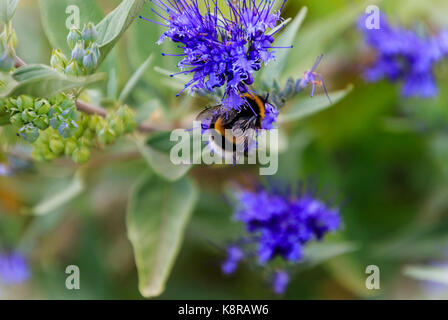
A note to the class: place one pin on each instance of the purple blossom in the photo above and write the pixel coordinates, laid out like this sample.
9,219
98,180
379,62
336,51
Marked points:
314,78
402,55
280,282
234,256
14,268
280,224
218,50
283,225
270,116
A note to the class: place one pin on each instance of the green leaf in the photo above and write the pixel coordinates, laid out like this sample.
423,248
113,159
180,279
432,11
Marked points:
54,18
4,118
310,106
7,10
427,273
157,216
317,253
63,196
317,37
274,69
156,152
7,83
112,27
130,85
42,81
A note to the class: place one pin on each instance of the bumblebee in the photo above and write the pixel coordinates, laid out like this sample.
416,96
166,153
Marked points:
232,132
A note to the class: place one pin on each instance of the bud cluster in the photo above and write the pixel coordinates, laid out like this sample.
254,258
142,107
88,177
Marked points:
92,131
84,55
31,115
8,42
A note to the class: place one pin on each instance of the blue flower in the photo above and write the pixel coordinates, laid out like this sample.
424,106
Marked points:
280,282
78,52
402,55
280,224
90,60
234,256
220,51
311,76
14,268
89,32
270,116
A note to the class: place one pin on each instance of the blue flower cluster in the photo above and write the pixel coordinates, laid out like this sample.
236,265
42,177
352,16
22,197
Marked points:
14,268
270,116
403,55
218,50
280,226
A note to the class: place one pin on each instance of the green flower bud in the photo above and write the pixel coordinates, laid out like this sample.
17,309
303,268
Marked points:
85,141
29,132
47,153
73,37
41,122
11,105
127,115
81,155
58,60
67,103
106,136
12,39
25,102
80,131
72,68
289,89
70,146
88,134
116,124
56,145
93,122
28,116
89,33
16,120
42,107
57,99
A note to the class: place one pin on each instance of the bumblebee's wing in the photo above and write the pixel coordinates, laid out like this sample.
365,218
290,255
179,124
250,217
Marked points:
208,113
243,131
228,116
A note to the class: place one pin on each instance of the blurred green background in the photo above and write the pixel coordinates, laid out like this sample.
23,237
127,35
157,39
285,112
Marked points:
383,157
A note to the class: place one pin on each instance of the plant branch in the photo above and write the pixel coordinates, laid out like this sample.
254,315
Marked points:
91,109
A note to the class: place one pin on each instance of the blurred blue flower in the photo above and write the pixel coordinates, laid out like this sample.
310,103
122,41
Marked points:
402,55
280,282
14,268
280,224
220,51
234,256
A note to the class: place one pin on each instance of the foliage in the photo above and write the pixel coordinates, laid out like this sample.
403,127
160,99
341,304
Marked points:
94,186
